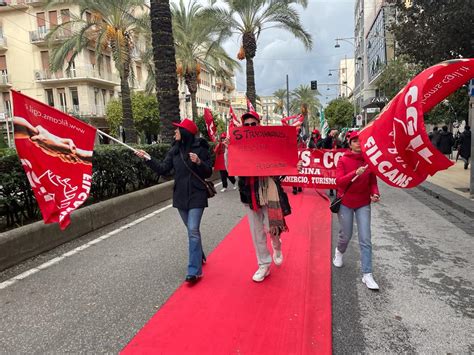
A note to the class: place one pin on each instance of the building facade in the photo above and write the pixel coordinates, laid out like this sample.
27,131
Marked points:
84,91
346,77
374,48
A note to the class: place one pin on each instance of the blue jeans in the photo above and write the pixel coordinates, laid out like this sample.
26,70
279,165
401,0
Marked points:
192,221
346,222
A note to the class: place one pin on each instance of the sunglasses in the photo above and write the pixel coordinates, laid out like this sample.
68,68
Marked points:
250,124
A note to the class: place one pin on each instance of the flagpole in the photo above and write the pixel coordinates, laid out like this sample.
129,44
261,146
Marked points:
147,156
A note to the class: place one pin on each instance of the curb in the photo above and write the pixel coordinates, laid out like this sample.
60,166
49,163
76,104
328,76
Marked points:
33,239
451,199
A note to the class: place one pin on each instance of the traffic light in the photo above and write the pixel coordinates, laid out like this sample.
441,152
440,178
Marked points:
314,85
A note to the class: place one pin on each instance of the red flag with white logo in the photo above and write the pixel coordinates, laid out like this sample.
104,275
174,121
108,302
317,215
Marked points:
234,121
210,125
396,144
250,106
55,151
295,121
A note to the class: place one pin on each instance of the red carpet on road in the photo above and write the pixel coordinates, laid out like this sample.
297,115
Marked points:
228,313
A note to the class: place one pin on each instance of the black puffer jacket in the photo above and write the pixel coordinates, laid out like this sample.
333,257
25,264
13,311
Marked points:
188,191
446,142
465,144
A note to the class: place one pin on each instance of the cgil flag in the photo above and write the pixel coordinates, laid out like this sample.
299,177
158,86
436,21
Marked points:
234,121
210,125
295,121
396,145
55,151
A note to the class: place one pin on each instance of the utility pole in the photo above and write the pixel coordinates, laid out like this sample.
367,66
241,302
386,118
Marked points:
287,96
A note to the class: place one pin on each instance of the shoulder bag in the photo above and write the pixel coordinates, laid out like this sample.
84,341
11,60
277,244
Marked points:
209,185
336,203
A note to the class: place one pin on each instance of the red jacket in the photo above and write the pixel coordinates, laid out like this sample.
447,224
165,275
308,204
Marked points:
362,188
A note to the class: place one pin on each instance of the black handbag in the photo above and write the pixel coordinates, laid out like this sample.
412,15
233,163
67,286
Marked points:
284,201
210,188
336,202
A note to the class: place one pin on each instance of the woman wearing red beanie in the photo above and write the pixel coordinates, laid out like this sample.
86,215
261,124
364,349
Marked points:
188,156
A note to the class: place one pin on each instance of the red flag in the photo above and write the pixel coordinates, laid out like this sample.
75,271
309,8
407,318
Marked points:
250,106
55,150
211,127
296,120
234,121
396,144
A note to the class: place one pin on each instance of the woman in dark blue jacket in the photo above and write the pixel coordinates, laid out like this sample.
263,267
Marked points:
189,192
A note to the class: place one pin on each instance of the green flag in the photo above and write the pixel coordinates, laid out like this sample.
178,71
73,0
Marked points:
323,124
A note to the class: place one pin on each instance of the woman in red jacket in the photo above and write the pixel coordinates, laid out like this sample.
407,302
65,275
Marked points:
358,194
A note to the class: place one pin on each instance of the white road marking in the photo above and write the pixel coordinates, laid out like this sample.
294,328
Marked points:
56,260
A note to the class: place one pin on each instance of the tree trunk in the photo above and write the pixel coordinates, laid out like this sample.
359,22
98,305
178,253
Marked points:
128,126
165,67
192,84
251,94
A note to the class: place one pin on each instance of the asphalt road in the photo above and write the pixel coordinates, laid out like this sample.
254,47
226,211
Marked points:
97,299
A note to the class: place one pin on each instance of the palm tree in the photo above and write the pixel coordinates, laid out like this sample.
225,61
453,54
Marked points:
305,101
165,66
250,17
280,94
105,26
198,42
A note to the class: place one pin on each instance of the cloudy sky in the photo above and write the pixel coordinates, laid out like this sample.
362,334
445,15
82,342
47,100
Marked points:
279,53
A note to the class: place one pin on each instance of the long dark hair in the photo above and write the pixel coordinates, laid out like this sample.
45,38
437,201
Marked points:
187,140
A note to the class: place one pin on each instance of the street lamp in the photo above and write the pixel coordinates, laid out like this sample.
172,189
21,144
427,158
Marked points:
350,40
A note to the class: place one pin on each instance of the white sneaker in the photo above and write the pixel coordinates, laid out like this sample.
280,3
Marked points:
337,261
262,272
277,257
224,189
235,187
369,281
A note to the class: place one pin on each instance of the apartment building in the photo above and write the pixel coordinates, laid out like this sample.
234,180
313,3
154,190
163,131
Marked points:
374,48
269,117
346,77
239,104
84,91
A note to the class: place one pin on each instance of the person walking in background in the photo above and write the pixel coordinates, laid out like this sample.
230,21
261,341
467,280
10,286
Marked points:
331,142
465,146
358,186
315,141
301,144
220,151
188,156
434,137
446,142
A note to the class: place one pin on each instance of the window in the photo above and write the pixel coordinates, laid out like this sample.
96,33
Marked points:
65,16
62,99
45,60
7,104
53,18
49,97
40,21
139,73
92,58
74,99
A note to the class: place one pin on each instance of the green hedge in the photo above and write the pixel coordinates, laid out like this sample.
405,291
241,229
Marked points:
116,170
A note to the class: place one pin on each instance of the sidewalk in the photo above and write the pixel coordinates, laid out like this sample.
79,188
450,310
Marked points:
455,179
451,187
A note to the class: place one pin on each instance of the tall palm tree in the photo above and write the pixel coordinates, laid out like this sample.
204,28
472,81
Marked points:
250,17
105,26
198,41
305,101
280,94
165,66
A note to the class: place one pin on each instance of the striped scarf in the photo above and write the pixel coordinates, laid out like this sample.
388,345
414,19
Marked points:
268,196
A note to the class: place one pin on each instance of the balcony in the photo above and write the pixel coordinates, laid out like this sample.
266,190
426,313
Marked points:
11,5
85,111
88,74
3,44
222,96
35,3
38,37
4,81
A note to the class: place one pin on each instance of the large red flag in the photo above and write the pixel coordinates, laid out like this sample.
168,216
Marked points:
55,150
396,144
250,106
210,125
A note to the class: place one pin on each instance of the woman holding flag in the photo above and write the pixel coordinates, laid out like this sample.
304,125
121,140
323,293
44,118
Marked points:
358,188
189,157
